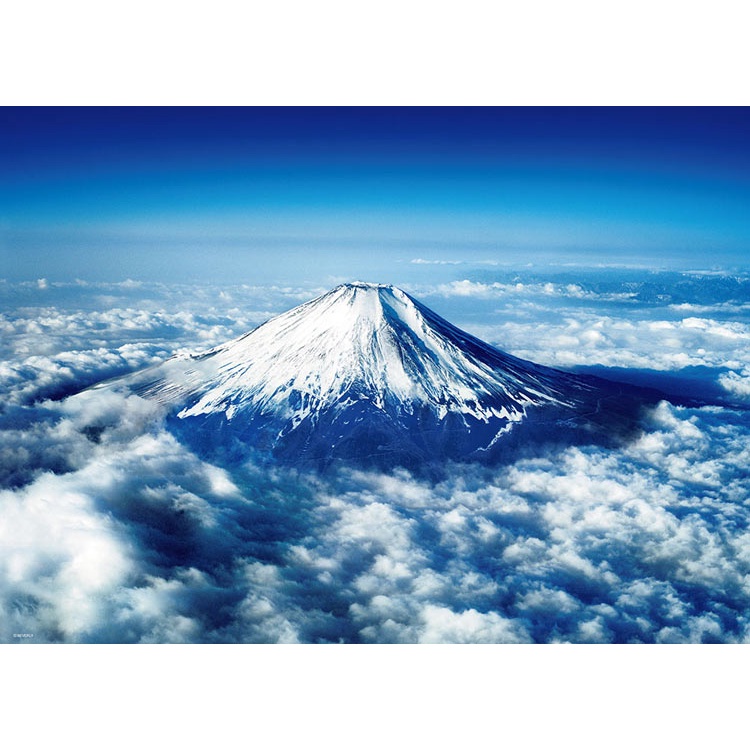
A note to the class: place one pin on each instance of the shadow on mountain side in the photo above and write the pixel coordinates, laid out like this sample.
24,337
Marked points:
690,386
609,415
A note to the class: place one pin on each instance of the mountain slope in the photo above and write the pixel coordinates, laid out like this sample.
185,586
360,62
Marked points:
367,373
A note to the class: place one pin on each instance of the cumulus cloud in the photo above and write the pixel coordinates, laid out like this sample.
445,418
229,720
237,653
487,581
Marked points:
113,531
574,339
142,541
737,383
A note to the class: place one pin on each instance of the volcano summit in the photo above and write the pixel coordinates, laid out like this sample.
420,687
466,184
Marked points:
367,374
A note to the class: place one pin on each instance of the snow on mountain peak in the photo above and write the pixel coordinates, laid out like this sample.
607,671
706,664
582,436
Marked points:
364,341
363,368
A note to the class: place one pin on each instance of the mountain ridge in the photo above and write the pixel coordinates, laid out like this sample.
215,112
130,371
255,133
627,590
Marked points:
367,373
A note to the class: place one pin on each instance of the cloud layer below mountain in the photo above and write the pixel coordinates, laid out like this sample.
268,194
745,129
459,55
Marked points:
113,531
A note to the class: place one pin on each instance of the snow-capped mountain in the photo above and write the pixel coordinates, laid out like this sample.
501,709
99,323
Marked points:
367,372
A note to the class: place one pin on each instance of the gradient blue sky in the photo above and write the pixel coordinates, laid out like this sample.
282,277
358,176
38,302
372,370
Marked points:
285,194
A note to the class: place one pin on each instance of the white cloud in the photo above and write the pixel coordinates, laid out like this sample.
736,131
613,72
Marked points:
145,542
114,531
587,339
738,384
519,290
61,560
442,625
426,262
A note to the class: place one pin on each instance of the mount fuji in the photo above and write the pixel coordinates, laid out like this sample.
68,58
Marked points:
366,374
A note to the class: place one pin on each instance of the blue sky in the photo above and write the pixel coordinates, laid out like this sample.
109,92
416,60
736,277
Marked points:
292,194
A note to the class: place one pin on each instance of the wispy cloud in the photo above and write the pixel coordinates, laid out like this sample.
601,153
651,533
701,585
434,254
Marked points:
426,262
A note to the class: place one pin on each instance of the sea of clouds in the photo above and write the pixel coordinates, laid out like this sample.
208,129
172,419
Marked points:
113,531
